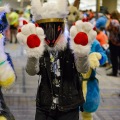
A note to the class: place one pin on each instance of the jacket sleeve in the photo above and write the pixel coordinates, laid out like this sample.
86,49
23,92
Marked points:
32,67
82,63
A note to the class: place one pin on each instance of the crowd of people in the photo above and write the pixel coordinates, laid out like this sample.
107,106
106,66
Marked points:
107,26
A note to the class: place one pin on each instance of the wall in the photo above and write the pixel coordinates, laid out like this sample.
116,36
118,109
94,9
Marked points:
13,3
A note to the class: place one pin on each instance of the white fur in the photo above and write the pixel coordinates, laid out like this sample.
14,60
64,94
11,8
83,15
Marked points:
7,72
27,30
35,8
57,9
3,56
86,28
5,8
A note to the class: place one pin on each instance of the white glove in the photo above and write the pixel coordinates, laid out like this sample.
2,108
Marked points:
94,59
33,38
82,35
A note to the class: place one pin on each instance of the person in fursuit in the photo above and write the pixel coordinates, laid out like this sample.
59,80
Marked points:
97,57
57,60
7,74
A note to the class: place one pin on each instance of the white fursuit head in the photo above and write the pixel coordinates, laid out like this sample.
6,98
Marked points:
52,9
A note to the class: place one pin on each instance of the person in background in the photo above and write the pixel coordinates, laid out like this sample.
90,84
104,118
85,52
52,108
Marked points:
21,19
103,40
113,26
14,22
102,19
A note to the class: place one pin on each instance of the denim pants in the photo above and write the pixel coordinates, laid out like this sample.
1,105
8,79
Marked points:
57,115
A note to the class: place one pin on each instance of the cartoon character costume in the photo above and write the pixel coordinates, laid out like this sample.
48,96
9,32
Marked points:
90,83
56,60
7,75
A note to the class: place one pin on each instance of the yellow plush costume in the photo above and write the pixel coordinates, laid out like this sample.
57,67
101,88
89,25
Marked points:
97,57
7,75
94,62
2,118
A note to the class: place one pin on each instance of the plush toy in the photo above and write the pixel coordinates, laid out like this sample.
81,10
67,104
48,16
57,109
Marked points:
7,75
90,84
97,57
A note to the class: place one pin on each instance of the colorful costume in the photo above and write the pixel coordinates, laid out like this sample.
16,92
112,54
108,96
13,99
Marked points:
90,83
7,75
57,60
96,57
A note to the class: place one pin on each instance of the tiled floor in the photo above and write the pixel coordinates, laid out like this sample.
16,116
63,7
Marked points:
21,97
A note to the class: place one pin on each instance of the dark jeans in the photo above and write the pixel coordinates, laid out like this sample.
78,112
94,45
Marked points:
115,58
57,115
13,33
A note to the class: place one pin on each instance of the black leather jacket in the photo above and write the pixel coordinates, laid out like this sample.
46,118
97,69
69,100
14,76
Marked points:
70,92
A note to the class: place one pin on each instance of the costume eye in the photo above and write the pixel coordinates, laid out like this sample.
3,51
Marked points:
74,13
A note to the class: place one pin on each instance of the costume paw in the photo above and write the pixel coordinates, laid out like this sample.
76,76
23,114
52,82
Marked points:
32,37
94,59
2,118
82,35
7,75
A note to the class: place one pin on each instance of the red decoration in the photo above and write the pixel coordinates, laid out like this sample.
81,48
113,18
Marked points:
19,30
33,41
74,23
85,20
25,22
36,25
95,28
81,38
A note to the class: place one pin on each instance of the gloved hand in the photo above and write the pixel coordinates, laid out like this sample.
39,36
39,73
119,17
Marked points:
7,75
82,35
94,59
32,37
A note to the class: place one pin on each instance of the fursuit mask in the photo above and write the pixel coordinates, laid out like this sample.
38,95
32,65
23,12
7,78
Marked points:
50,16
53,28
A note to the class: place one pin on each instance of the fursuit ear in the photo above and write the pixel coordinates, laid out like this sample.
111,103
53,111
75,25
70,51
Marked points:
68,2
76,3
